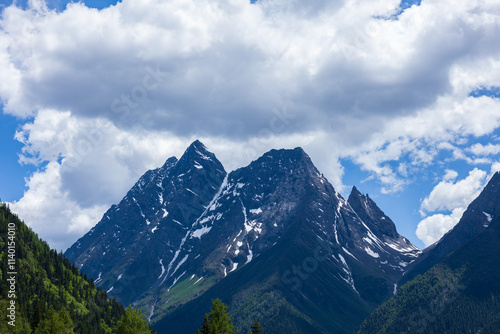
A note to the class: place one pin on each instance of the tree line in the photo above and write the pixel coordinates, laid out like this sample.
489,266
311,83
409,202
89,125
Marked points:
219,321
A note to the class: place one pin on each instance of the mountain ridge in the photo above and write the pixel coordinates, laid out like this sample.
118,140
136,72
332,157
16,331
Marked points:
149,220
279,204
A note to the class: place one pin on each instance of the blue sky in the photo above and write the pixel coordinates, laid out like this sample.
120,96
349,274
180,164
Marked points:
396,99
61,4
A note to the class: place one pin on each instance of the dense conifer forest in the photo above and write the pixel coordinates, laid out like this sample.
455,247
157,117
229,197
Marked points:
49,293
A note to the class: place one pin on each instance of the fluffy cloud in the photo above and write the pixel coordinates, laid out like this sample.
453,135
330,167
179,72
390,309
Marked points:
482,150
191,65
448,195
108,94
51,213
432,228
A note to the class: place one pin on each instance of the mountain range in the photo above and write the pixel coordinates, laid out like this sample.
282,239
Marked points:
273,240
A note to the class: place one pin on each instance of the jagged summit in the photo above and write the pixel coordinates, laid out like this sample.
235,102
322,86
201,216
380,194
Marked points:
371,214
297,153
198,149
197,157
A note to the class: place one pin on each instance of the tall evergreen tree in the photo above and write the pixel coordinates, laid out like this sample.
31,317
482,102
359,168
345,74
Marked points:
132,322
256,327
205,329
219,321
55,322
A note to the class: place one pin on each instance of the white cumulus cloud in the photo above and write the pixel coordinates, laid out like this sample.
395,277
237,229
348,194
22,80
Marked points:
432,228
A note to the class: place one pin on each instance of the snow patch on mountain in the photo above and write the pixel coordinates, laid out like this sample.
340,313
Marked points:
256,211
200,232
489,218
371,252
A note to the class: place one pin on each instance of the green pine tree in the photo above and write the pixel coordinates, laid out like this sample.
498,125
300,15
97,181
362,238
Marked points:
55,322
256,328
22,325
219,319
132,322
205,329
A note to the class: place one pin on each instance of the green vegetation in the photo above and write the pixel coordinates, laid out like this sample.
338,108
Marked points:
133,322
165,300
256,327
218,320
50,294
461,294
55,322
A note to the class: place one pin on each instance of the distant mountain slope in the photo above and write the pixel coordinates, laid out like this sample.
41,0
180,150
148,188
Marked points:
461,294
398,252
475,220
47,283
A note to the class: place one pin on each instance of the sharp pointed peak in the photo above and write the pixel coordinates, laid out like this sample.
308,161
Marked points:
197,148
198,144
355,191
197,155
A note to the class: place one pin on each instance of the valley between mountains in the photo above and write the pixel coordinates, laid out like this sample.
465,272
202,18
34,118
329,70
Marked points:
274,241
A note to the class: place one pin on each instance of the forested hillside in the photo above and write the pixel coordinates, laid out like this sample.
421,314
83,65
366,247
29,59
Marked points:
48,293
460,294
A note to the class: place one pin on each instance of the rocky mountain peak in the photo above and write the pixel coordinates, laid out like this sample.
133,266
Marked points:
197,150
188,224
380,224
287,157
198,158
